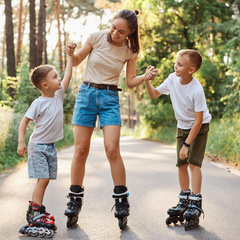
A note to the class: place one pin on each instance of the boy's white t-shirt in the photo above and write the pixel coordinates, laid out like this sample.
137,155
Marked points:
47,113
186,100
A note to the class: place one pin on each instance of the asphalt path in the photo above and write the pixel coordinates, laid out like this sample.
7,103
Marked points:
153,186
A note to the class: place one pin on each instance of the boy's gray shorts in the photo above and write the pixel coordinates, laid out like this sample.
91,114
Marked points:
42,160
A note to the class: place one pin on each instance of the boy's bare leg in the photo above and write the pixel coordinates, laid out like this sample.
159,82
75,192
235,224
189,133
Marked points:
39,190
196,178
183,177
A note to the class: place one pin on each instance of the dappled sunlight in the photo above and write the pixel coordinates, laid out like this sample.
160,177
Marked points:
6,116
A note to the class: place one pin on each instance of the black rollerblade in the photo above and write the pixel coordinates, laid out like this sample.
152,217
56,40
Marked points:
176,213
122,208
38,223
74,207
193,212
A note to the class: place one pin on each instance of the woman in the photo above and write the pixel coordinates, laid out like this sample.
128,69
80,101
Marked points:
107,52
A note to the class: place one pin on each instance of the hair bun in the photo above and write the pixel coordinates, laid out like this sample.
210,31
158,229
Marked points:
136,12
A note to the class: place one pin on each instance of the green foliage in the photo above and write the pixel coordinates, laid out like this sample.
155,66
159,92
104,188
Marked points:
159,114
9,138
68,105
163,134
26,92
224,138
231,99
68,137
214,84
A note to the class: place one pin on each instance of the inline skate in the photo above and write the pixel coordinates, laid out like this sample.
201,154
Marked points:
122,207
48,215
176,213
38,222
74,205
193,212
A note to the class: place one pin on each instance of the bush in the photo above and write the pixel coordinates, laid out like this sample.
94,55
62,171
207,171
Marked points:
9,138
224,138
163,133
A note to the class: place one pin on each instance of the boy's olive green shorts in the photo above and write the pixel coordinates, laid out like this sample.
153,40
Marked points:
197,148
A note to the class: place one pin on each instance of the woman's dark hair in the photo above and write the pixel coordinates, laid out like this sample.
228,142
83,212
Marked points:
131,18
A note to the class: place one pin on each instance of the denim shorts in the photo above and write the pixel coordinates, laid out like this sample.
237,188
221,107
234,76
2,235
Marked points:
91,102
196,150
42,161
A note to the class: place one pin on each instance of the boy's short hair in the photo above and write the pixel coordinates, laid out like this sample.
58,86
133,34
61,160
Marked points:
194,56
39,73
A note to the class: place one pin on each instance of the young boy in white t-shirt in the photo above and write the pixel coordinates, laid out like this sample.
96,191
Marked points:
47,113
191,111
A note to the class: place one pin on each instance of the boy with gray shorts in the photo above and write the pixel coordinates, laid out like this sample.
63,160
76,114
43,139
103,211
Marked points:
47,113
192,114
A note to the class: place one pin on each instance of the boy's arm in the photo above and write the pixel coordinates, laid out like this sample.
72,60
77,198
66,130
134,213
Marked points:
81,53
192,134
68,73
132,80
152,91
22,148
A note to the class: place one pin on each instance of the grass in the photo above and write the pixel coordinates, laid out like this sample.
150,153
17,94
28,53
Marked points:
224,139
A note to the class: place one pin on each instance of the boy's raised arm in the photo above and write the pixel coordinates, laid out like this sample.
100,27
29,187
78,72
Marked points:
152,91
68,72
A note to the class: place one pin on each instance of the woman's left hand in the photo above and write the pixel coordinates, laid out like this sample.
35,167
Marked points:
70,48
150,73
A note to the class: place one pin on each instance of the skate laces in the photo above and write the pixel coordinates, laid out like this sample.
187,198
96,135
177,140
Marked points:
193,206
73,204
121,206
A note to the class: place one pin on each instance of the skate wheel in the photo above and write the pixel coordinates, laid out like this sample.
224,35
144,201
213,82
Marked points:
42,235
51,232
28,232
71,221
187,226
175,221
122,223
168,221
23,230
181,219
34,234
197,221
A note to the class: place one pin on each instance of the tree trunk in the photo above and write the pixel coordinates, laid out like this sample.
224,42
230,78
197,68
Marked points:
33,48
3,57
44,36
19,42
3,49
11,67
41,33
59,35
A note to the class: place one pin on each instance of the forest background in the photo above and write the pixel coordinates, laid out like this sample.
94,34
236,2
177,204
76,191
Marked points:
34,32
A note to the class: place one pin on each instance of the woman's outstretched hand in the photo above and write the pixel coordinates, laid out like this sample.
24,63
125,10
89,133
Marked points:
151,73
